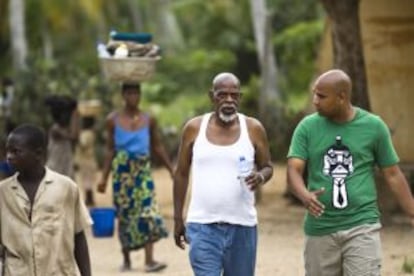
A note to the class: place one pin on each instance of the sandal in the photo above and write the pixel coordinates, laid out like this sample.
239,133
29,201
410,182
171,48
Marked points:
154,267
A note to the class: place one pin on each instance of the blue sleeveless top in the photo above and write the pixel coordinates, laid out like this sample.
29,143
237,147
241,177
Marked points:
133,141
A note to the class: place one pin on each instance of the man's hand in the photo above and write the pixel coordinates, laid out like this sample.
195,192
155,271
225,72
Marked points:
179,233
254,180
312,204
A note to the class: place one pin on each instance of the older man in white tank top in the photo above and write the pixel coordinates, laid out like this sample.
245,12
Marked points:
221,220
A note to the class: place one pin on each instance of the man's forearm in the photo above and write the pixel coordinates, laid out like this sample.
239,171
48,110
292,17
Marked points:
401,190
179,194
178,209
82,254
266,172
296,184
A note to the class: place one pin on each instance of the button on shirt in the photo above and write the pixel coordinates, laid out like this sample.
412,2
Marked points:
44,245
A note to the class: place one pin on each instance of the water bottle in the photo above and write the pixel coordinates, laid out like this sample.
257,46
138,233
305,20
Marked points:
244,169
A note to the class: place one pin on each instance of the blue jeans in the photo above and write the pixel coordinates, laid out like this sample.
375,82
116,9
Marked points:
222,249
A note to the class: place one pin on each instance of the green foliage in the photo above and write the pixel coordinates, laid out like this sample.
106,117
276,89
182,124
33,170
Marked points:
215,24
297,48
50,78
181,109
291,12
408,265
217,34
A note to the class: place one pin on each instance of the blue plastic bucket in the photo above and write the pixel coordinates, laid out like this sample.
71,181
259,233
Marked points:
103,221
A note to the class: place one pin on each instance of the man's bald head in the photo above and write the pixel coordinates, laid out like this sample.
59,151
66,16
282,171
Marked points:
225,77
337,79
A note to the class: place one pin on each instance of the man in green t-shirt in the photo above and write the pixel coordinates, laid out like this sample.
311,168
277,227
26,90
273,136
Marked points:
340,145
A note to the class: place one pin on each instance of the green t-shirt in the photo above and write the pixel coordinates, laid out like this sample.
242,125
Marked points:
341,158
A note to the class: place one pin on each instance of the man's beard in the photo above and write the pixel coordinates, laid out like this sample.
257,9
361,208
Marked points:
227,118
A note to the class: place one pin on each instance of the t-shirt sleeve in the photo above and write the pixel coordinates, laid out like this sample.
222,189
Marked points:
82,218
385,153
299,143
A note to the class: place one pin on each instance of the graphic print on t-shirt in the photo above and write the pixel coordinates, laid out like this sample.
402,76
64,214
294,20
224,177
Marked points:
337,163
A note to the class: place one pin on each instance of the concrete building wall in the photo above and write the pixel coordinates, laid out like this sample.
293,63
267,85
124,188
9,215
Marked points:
388,38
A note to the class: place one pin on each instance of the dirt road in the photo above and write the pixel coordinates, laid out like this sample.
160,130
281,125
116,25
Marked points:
280,238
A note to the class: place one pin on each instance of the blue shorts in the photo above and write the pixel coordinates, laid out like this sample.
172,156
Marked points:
222,249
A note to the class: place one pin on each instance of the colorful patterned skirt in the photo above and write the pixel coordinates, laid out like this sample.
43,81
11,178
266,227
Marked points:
139,219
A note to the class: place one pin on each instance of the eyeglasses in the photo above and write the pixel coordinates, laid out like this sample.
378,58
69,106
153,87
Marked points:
221,95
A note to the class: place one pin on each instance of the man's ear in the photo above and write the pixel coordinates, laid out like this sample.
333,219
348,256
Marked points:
342,96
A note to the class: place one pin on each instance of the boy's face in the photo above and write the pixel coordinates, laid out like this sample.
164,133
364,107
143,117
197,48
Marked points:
19,155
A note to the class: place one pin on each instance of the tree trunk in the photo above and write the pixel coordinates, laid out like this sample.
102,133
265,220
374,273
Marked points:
136,16
168,30
347,44
47,42
18,34
267,60
270,112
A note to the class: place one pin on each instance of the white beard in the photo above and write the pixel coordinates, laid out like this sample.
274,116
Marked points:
227,118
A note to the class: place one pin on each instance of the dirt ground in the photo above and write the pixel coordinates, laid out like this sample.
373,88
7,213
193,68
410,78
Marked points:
280,237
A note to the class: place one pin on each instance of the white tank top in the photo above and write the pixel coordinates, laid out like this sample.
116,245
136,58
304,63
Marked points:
217,192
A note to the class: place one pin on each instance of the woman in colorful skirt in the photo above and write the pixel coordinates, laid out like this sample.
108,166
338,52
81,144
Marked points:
131,136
